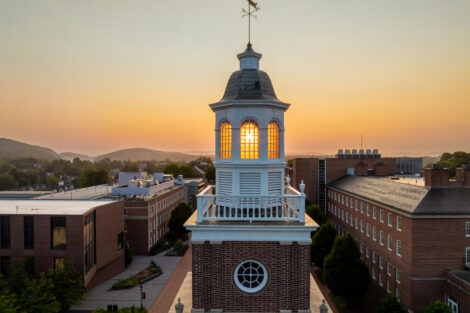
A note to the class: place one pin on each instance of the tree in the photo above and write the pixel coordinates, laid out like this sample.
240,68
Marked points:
437,307
454,160
7,182
91,176
314,211
343,268
18,272
38,296
178,217
52,181
390,304
68,285
210,174
322,242
8,300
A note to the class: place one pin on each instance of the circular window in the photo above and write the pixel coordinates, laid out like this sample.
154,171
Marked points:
250,276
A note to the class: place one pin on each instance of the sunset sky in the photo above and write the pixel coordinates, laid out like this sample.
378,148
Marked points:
96,76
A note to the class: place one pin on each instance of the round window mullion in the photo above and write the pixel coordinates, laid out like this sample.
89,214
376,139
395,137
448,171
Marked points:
250,276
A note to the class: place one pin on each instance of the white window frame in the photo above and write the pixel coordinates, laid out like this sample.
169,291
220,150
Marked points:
381,283
374,255
389,269
399,223
381,262
381,238
367,230
382,216
389,242
467,229
398,252
467,255
367,210
389,220
374,233
397,276
362,226
374,213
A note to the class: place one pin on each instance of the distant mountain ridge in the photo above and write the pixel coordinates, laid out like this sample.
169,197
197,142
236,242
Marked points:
15,149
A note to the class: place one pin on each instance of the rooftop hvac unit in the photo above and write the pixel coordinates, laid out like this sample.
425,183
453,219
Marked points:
368,152
340,151
348,152
376,151
354,152
361,152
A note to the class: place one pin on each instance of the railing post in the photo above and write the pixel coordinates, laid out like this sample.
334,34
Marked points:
200,209
302,203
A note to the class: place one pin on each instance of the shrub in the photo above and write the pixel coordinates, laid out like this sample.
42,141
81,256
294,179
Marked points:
390,304
343,268
437,307
322,242
316,214
179,245
68,285
159,247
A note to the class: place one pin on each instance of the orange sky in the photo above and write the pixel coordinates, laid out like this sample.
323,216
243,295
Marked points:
95,76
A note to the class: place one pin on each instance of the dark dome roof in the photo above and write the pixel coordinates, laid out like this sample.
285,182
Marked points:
249,84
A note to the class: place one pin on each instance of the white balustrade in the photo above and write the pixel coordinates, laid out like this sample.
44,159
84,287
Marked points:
287,207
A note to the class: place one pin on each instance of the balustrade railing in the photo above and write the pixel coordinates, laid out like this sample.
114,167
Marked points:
287,207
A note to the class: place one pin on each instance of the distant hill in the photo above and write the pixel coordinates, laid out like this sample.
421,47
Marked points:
15,149
135,154
71,155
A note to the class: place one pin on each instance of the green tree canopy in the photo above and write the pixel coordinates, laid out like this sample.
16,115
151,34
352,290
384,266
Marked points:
314,211
454,160
91,176
390,304
178,217
68,285
437,307
322,242
343,268
7,182
38,296
8,300
210,174
52,181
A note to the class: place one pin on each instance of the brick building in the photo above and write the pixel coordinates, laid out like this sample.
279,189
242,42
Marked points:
250,235
90,234
147,210
414,235
317,172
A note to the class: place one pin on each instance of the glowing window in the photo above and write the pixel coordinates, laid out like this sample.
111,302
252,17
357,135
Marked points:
225,141
273,141
249,140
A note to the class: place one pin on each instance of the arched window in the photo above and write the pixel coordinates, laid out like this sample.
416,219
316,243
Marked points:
273,141
249,140
226,141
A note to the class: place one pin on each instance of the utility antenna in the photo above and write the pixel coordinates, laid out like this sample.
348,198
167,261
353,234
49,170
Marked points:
252,8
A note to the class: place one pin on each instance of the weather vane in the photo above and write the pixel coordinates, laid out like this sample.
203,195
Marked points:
252,8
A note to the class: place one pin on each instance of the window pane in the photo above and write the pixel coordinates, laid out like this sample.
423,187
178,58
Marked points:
225,141
58,233
29,232
273,141
5,232
249,140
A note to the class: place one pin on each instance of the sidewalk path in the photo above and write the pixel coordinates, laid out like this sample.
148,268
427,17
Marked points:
167,295
100,297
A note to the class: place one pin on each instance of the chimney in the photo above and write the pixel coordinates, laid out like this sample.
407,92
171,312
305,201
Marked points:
437,176
360,169
462,175
380,169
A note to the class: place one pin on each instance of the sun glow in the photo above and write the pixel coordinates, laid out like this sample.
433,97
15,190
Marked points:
249,139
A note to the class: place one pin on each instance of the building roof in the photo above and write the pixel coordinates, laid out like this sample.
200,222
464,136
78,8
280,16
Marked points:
409,198
49,207
88,193
249,84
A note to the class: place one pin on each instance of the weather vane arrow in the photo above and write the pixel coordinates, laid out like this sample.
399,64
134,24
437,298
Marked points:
252,8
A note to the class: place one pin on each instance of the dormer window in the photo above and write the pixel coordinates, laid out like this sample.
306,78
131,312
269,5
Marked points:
273,141
226,141
249,140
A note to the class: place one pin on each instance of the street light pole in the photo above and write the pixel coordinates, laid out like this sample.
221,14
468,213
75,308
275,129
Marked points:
141,295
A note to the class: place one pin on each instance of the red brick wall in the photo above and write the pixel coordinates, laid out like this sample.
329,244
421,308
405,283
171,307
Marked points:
287,288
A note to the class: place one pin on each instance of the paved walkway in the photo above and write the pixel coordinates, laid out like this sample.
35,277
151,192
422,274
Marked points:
167,296
100,297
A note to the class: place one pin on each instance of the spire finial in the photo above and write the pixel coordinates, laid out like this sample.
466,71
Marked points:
249,13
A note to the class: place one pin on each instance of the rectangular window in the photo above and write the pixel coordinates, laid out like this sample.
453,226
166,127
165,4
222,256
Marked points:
90,241
397,276
373,273
347,201
467,255
58,233
5,264
381,216
362,227
356,205
367,210
357,223
374,213
120,241
5,232
352,206
381,262
388,286
381,238
390,219
389,269
380,280
399,247
342,199
389,242
29,232
374,255
367,230
374,233
360,247
399,223
397,293
367,252
59,262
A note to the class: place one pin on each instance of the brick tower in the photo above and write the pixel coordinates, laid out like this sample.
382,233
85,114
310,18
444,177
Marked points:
250,235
